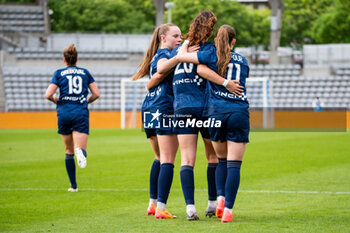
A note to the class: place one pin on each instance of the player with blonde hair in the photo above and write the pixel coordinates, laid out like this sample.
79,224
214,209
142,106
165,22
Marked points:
159,100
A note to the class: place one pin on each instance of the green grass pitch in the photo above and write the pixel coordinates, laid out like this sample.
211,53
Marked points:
113,188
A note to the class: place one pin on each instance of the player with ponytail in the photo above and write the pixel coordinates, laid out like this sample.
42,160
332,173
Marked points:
159,100
74,84
189,101
230,139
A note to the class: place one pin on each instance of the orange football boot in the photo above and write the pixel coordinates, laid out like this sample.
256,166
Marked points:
163,214
227,216
220,206
151,210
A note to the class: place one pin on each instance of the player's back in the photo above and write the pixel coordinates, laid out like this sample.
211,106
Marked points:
188,87
73,83
220,100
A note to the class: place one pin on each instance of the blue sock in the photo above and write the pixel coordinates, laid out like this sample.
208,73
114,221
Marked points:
165,179
232,182
187,183
84,152
220,177
153,180
70,167
211,181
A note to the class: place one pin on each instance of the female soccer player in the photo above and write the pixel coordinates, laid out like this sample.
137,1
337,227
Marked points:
189,100
72,109
158,101
230,139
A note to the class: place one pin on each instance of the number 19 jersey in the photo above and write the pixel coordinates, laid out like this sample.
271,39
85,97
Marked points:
73,83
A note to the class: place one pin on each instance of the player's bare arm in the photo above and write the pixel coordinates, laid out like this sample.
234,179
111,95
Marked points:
95,93
156,79
184,54
50,93
164,65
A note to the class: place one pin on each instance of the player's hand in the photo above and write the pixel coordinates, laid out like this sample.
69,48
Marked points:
193,49
55,98
234,87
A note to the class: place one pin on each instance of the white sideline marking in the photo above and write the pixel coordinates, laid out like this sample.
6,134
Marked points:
145,189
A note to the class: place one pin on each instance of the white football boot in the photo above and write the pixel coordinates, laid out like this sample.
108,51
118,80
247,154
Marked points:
80,157
73,190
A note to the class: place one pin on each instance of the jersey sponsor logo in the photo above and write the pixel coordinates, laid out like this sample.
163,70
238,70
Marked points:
81,98
186,68
197,80
73,71
230,95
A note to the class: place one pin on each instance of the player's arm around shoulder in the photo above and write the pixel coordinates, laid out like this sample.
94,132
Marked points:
164,65
188,55
95,92
231,85
156,79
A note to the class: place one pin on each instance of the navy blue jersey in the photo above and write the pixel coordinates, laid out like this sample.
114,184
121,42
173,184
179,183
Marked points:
219,99
161,96
73,83
188,87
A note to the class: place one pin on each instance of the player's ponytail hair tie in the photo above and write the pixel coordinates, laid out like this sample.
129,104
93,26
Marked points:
71,55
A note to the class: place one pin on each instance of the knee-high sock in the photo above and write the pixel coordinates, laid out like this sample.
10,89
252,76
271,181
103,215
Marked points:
165,180
70,167
153,180
187,184
211,181
232,182
220,177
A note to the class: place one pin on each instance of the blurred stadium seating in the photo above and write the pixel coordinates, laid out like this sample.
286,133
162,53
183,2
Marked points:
25,87
22,18
30,62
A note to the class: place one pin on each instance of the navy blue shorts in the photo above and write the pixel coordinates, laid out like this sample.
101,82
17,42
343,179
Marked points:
73,121
155,132
234,127
187,114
